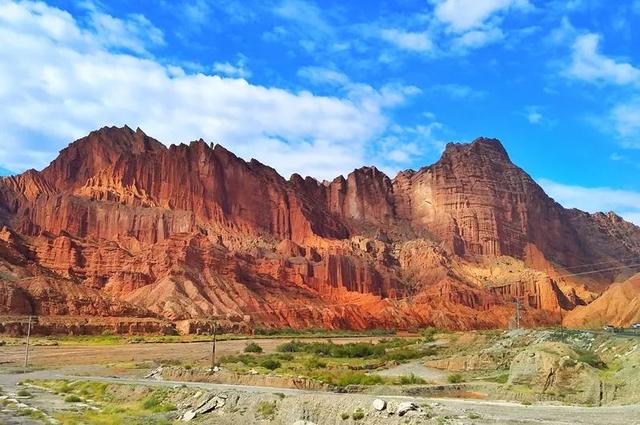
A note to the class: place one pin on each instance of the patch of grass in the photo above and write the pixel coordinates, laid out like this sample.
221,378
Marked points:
318,332
526,403
314,363
591,358
411,380
267,409
499,379
358,414
357,378
253,347
404,354
455,378
72,398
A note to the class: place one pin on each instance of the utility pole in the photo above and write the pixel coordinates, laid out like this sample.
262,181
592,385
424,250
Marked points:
26,351
518,306
213,345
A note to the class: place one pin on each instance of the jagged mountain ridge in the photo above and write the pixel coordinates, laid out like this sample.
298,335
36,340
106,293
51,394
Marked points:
190,231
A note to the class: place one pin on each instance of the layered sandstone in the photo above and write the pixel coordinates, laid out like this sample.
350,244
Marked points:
120,225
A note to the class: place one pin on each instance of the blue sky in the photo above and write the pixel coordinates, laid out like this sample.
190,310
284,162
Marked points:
327,86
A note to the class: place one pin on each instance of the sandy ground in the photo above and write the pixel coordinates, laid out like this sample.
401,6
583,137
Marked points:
53,356
489,412
416,368
87,362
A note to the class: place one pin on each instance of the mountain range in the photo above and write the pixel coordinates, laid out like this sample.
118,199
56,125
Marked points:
123,233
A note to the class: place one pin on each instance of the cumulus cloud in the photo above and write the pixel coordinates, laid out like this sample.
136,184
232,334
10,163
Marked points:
59,80
588,64
236,70
464,15
594,199
406,40
625,118
458,91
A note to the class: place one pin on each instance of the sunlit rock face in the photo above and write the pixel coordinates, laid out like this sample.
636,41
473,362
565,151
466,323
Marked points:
121,225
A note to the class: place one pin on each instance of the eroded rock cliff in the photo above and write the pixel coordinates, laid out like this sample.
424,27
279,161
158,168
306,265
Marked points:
120,225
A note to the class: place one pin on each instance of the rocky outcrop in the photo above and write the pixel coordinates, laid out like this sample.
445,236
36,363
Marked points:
120,225
619,306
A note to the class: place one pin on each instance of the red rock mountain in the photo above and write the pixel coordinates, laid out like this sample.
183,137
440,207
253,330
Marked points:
121,227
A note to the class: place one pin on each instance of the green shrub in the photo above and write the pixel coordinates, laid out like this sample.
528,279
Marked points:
252,347
290,347
429,334
357,378
246,359
267,409
72,398
23,393
500,379
358,414
403,354
591,358
284,356
270,364
329,349
455,378
314,363
150,403
411,380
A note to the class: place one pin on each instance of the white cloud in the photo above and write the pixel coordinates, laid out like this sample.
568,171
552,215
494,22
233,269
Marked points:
625,203
534,117
458,91
320,75
465,15
589,64
406,40
236,70
478,38
533,114
625,118
135,33
58,81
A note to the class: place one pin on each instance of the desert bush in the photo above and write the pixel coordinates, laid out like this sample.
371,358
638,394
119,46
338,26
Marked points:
329,349
591,358
344,416
357,378
270,364
455,378
23,393
358,414
411,380
314,363
252,347
267,409
402,354
72,398
429,334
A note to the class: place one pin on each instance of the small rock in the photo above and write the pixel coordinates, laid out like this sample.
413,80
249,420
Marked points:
188,415
379,404
405,407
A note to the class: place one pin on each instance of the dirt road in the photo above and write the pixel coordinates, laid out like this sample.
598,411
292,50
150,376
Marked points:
54,356
488,412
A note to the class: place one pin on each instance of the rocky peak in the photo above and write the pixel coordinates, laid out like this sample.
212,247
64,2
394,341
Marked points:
88,155
482,148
